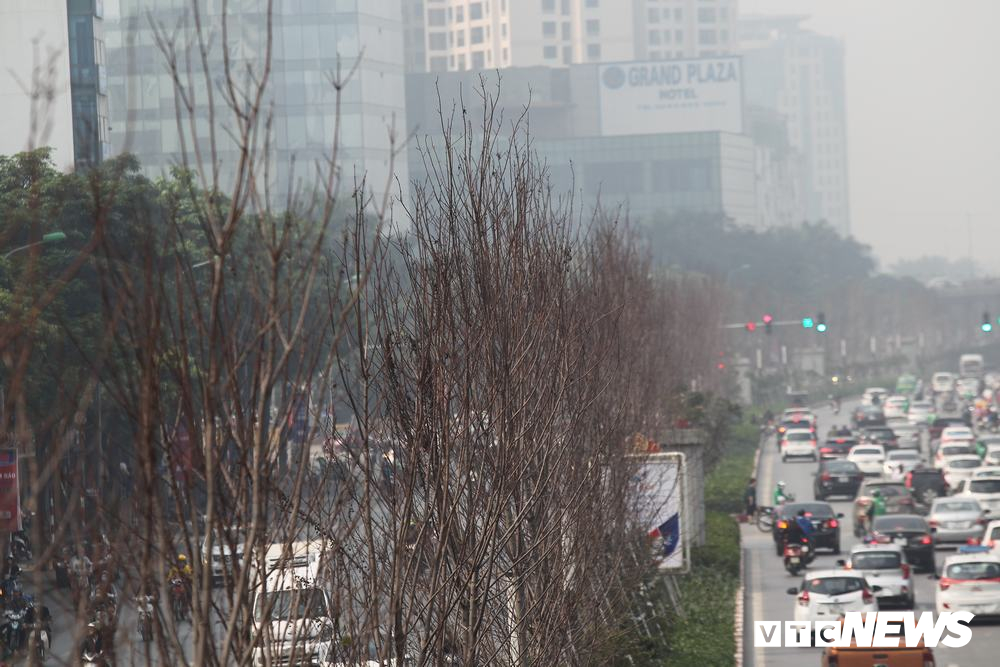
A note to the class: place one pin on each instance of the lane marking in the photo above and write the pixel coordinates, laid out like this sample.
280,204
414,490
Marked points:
758,603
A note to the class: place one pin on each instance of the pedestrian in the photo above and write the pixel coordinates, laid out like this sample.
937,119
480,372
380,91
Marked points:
750,497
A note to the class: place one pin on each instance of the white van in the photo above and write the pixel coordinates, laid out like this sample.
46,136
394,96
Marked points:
291,608
942,382
971,366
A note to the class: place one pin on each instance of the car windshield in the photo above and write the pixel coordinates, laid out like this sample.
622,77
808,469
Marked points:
867,450
984,486
876,560
293,604
817,510
965,463
893,522
903,456
920,406
973,571
956,506
887,489
955,450
834,585
841,467
800,436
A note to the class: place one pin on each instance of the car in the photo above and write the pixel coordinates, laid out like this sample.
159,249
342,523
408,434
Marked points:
991,537
941,423
825,595
948,451
884,565
958,468
878,435
942,382
956,520
921,413
992,455
800,421
874,396
992,380
970,581
222,553
897,497
837,447
826,524
797,443
957,432
899,462
907,435
868,415
837,477
912,533
906,384
869,458
926,484
789,413
895,406
986,490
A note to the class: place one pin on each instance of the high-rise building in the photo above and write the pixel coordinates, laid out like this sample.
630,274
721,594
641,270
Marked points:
458,35
311,41
52,82
800,74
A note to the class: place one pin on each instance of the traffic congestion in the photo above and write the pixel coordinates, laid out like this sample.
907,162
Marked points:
886,501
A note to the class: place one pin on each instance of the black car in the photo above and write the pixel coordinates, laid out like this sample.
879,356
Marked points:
868,415
837,447
926,484
837,478
879,435
910,532
826,525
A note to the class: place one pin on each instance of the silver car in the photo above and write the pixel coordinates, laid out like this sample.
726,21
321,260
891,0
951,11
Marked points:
885,565
907,437
956,519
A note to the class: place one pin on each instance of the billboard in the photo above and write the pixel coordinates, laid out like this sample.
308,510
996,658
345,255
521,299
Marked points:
659,494
10,495
670,96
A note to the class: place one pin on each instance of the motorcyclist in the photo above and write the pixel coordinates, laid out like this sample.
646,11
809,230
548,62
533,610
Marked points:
93,641
17,605
181,570
781,494
803,525
877,506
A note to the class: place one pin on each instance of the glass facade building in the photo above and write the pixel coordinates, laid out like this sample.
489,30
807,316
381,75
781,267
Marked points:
313,40
88,82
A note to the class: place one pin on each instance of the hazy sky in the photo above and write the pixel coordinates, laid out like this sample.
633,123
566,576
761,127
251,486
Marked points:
923,107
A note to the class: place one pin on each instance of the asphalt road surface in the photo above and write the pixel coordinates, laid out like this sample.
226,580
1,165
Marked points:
767,581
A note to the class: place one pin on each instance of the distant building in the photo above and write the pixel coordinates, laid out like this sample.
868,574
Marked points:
464,35
309,45
778,170
612,132
800,75
52,81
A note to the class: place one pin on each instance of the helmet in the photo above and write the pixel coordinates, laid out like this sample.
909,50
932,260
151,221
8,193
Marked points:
181,558
876,494
781,485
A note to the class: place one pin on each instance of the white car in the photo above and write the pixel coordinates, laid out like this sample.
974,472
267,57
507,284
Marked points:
869,458
960,468
991,537
920,413
873,394
899,462
984,489
942,382
799,443
970,581
895,407
826,594
907,436
885,566
953,433
950,450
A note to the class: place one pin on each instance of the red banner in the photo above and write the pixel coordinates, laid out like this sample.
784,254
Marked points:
10,495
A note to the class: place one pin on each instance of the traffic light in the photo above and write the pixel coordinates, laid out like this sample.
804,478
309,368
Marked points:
767,319
750,326
807,323
987,325
821,323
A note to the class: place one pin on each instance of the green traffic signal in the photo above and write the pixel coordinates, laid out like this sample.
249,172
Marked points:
807,323
821,327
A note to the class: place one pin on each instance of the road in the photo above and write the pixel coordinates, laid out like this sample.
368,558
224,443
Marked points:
767,581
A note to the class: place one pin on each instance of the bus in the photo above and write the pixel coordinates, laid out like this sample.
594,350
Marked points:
970,366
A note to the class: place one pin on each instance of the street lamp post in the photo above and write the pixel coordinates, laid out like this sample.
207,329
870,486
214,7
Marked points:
51,237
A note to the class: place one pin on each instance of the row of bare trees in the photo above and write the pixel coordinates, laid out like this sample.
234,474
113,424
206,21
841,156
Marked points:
428,404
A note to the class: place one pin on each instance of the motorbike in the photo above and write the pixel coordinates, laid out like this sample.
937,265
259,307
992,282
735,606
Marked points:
179,599
60,567
91,658
41,633
20,547
14,632
794,558
145,620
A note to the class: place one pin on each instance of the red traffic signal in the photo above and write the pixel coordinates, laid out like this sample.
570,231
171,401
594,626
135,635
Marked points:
750,326
767,319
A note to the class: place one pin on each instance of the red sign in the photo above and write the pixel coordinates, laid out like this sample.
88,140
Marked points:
10,495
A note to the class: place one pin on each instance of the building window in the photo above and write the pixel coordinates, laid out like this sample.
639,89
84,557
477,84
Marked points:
724,36
475,11
593,27
476,36
505,55
436,41
666,36
460,38
549,6
654,15
679,36
549,52
567,55
478,61
707,37
459,14
503,29
451,60
654,55
436,17
565,7
549,28
439,64
594,51
706,15
678,14
565,31
461,61
654,37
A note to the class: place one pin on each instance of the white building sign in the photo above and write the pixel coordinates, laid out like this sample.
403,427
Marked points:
668,96
659,493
